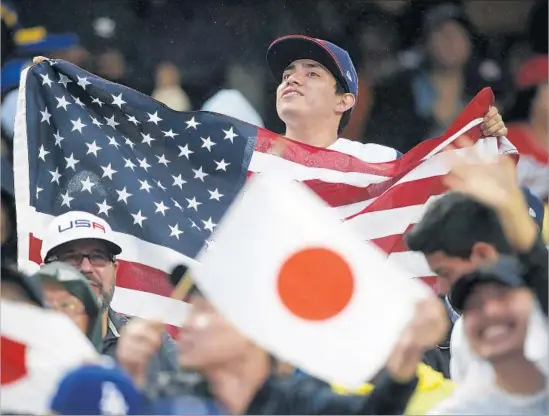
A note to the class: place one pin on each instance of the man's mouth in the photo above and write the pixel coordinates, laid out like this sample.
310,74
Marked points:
290,93
496,332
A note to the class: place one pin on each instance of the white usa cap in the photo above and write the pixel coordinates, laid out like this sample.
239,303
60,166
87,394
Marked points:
77,225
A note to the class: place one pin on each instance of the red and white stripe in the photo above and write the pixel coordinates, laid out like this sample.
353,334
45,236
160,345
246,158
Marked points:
380,201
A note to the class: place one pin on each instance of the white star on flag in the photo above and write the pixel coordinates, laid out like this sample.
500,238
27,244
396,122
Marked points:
230,134
138,218
192,123
42,152
46,80
63,79
162,159
175,231
108,171
215,194
58,138
193,203
71,162
153,118
93,148
55,176
160,207
221,165
87,185
62,102
66,199
185,151
83,82
207,143
45,116
97,101
111,122
209,224
117,100
123,195
199,174
170,134
178,181
77,125
103,208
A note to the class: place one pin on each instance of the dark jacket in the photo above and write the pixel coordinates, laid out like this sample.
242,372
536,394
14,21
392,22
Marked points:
284,395
535,263
164,361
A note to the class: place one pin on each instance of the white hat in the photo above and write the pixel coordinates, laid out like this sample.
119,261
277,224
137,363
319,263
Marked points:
77,225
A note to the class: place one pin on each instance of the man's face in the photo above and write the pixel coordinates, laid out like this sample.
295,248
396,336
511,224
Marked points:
449,268
207,340
59,299
100,270
307,90
495,318
449,45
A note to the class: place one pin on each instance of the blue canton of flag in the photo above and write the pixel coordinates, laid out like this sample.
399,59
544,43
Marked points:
162,176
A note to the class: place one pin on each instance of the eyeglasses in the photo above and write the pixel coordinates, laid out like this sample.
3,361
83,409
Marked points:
96,259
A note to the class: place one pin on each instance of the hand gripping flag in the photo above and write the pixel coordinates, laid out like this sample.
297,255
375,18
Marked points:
163,179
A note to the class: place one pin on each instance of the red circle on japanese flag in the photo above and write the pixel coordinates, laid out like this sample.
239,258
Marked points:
315,284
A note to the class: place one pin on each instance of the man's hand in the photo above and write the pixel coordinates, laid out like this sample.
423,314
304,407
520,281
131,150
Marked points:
494,183
493,125
39,59
138,342
428,327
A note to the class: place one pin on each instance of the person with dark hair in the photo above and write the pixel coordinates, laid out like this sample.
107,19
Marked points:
490,216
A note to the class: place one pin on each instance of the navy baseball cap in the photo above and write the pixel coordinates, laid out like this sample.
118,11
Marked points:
535,207
97,389
506,271
287,49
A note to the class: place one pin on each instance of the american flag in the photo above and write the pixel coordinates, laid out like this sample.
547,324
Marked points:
163,179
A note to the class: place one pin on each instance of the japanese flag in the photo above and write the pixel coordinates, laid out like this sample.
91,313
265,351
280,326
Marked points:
300,284
37,347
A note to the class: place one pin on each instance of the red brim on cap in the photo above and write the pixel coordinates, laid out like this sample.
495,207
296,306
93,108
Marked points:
287,49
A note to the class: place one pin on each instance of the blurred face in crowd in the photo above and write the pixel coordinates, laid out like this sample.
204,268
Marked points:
307,91
449,45
60,300
14,292
540,107
495,319
449,268
207,340
98,266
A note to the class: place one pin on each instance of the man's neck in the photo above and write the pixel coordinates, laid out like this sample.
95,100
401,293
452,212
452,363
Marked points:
319,134
517,375
104,323
236,384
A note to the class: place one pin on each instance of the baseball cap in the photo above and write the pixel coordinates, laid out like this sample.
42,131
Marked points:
506,271
78,225
287,49
535,207
97,389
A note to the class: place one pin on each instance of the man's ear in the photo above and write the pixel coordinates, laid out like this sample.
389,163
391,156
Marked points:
482,253
345,102
115,267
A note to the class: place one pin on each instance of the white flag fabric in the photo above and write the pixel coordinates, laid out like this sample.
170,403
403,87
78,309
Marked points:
291,277
38,347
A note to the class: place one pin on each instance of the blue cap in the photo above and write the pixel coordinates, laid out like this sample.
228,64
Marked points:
287,49
97,389
535,207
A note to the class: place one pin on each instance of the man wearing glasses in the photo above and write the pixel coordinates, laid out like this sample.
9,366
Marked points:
88,243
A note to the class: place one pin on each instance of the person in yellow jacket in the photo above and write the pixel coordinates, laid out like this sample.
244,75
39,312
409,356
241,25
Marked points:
431,389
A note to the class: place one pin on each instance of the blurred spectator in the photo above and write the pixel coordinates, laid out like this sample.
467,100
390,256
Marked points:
537,27
421,103
528,122
18,287
168,88
497,306
231,102
67,291
377,37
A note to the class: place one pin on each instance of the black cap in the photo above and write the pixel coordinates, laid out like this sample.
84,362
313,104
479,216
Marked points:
30,286
506,271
